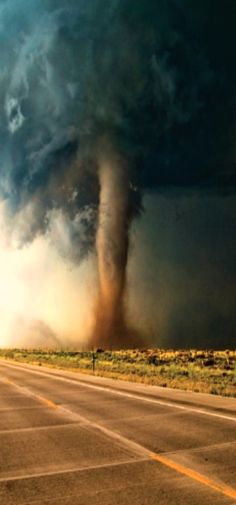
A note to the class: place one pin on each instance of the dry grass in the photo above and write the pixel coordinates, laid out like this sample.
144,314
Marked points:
205,371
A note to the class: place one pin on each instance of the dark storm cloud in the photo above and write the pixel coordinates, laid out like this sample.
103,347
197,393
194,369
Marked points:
182,270
156,79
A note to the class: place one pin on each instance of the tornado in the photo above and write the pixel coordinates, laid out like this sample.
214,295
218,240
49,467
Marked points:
112,245
137,74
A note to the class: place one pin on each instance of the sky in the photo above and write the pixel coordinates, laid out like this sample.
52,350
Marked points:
148,88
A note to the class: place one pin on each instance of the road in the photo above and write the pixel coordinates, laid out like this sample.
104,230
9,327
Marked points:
72,439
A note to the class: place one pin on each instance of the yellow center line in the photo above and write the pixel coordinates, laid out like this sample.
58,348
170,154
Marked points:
221,488
8,381
47,402
42,399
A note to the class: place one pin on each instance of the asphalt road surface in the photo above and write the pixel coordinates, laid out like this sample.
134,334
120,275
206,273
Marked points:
72,439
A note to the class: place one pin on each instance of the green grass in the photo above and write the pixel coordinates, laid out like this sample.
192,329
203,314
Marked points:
201,371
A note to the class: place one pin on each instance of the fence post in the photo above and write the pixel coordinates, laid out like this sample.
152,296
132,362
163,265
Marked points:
94,360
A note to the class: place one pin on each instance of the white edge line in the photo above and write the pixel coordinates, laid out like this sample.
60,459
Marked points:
124,394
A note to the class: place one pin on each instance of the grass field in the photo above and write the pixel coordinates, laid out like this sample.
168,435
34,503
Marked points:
201,371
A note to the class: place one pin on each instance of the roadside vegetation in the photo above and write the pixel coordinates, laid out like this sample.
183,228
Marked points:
201,371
